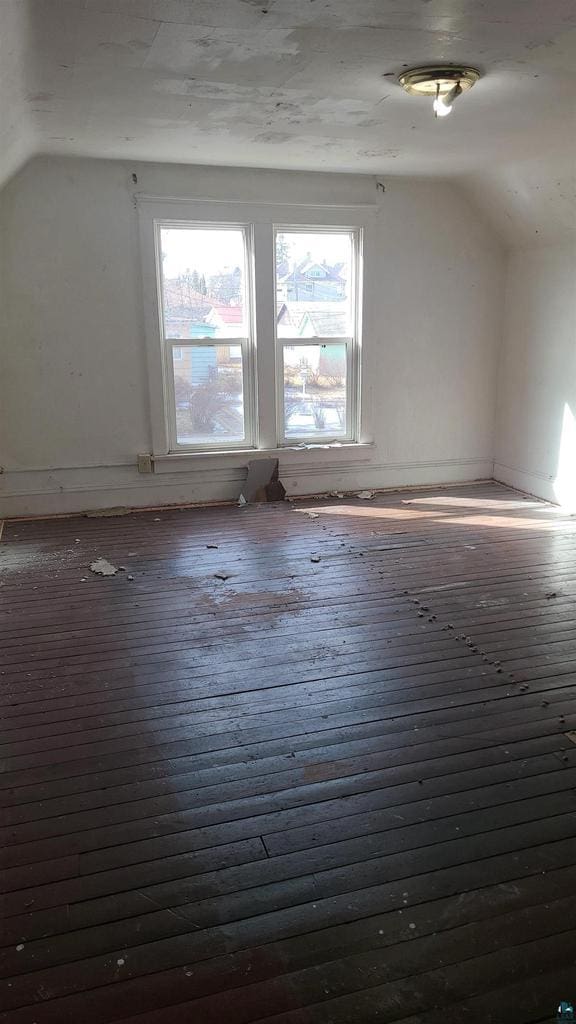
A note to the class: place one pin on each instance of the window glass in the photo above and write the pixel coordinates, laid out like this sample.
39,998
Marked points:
314,286
208,394
203,282
315,391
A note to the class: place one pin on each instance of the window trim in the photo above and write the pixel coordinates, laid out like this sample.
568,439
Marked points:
262,215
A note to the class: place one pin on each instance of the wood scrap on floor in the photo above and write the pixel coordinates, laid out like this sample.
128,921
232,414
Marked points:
262,483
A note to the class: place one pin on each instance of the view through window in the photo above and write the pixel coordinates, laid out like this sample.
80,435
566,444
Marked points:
314,326
207,293
204,311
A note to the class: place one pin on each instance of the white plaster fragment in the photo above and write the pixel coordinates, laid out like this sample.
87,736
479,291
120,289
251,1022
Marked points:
102,567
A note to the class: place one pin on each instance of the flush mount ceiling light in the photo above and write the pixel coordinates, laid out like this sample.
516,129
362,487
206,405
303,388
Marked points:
443,84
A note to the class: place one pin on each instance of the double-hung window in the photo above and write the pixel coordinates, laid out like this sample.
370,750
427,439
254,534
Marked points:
205,298
316,337
257,329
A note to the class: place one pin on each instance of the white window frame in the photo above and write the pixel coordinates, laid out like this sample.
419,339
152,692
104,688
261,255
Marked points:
263,372
351,341
246,344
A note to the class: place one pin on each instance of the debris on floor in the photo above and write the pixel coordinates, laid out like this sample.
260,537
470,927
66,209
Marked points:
336,494
311,515
221,576
262,482
212,546
367,495
102,567
315,558
551,593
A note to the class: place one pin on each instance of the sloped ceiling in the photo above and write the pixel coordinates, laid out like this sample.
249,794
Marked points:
303,84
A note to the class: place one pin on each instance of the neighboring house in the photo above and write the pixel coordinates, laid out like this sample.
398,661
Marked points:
228,321
199,364
327,360
323,324
189,314
327,320
309,281
302,320
180,327
195,364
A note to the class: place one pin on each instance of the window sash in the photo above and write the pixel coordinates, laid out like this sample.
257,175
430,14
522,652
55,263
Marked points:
287,440
246,343
220,444
352,341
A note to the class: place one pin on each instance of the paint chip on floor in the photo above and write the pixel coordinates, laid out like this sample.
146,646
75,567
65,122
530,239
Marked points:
102,567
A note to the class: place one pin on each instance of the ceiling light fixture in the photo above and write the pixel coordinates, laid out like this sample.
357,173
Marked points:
443,83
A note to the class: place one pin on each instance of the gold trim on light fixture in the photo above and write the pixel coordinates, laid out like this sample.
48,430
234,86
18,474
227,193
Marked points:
442,83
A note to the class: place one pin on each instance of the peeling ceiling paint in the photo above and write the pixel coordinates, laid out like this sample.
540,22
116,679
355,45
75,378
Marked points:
303,84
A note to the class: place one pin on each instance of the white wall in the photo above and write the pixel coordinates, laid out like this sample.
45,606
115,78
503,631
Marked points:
536,424
73,388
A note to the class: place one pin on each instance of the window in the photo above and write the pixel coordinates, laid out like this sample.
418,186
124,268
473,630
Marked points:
204,299
259,335
316,334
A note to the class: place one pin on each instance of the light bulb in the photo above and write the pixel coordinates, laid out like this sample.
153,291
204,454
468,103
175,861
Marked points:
443,104
440,108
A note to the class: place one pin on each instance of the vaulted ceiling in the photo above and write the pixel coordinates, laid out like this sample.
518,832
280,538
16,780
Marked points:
308,84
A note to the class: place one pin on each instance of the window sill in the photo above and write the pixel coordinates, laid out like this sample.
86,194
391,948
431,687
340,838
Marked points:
185,461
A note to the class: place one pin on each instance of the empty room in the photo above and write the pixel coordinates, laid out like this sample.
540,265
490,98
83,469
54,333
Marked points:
287,511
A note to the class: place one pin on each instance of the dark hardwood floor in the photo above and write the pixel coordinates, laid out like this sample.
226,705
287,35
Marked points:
326,791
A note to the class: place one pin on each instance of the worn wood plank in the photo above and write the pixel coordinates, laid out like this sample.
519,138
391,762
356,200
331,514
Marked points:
314,792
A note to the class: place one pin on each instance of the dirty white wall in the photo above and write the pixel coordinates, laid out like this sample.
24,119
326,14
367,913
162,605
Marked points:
536,423
73,388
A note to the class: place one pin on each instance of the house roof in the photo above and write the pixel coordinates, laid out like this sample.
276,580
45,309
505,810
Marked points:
228,314
327,324
325,318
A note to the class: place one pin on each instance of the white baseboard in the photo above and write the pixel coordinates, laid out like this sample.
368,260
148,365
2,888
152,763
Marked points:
64,491
537,484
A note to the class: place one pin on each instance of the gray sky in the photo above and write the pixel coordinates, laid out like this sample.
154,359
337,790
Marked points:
210,251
